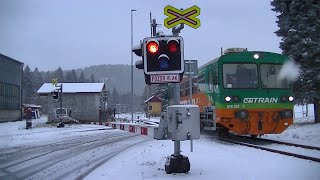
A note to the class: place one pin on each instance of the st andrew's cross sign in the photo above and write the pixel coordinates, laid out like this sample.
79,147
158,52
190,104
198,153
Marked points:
187,16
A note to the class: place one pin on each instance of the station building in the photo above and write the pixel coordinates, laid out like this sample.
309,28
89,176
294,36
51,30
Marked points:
83,102
11,73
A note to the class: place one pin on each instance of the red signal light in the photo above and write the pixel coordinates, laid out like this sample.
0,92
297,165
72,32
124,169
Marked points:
153,47
173,46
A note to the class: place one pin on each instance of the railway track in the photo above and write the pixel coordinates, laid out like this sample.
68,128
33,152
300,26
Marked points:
287,143
264,143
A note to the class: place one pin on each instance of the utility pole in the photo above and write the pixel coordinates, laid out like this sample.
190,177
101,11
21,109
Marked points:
61,124
131,99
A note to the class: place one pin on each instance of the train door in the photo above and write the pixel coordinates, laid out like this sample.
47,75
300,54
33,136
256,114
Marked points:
209,111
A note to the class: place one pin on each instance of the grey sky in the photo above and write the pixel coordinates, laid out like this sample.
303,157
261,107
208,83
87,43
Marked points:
79,33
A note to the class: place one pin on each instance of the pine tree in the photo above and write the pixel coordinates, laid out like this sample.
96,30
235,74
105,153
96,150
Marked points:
59,75
82,79
28,91
74,77
92,80
114,99
68,78
37,79
299,27
48,77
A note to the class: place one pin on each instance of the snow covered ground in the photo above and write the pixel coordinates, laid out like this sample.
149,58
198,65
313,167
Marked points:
14,133
48,152
303,130
210,159
216,160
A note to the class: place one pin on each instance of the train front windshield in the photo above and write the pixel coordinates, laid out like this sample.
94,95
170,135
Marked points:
246,76
270,76
240,76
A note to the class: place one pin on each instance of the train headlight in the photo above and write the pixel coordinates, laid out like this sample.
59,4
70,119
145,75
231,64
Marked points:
256,56
290,98
227,98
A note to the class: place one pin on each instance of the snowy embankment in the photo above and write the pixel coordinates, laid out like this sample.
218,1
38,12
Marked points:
303,130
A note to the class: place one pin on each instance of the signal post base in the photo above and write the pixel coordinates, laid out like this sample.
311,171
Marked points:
60,125
177,164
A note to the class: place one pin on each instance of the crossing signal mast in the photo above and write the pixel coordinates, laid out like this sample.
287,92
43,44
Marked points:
163,62
57,95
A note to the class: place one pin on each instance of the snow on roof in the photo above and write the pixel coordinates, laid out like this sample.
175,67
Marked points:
73,87
153,98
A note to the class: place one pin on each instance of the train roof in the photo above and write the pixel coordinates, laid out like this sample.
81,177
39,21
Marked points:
232,53
209,63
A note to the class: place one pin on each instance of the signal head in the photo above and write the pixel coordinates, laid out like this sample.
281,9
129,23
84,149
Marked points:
163,61
173,45
163,55
153,46
55,94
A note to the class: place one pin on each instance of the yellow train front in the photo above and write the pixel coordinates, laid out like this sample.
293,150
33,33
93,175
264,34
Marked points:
245,92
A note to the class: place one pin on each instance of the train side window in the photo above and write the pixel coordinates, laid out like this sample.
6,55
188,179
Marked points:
215,75
201,83
215,79
210,79
194,86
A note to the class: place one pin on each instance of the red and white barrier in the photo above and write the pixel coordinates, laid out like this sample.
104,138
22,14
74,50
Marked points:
146,130
132,129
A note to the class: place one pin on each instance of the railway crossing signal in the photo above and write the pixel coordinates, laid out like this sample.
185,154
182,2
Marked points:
55,94
162,59
187,16
163,55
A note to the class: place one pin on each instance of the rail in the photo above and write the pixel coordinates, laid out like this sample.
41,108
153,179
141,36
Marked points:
272,150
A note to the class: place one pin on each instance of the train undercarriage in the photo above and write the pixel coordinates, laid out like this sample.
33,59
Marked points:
245,122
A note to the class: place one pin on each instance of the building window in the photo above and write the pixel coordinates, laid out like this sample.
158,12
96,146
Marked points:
150,108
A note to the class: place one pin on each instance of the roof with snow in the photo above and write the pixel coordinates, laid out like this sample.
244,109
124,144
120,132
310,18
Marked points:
153,99
72,88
